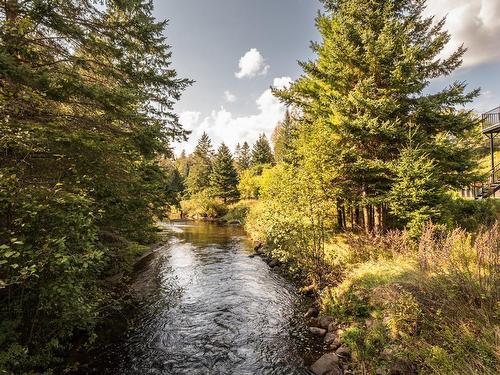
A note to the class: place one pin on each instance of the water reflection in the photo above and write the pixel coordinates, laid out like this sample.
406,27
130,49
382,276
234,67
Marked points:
208,308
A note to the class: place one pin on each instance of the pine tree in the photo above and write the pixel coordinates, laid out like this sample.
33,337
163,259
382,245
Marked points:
367,84
243,158
284,136
261,152
86,113
223,177
201,165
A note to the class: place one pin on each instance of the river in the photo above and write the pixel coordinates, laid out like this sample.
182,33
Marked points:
206,307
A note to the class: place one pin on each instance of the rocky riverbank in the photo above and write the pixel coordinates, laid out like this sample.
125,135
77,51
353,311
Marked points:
337,357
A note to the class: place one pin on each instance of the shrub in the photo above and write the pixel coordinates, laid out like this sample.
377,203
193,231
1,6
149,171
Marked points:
202,205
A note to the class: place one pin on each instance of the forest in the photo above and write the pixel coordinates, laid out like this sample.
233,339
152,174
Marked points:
355,194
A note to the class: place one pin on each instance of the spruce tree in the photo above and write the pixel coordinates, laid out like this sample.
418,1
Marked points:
223,177
284,136
243,158
261,152
86,113
201,165
368,85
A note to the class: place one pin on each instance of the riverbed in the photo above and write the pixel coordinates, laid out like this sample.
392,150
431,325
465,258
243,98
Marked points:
207,307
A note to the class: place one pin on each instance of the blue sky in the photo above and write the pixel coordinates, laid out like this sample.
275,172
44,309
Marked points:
237,49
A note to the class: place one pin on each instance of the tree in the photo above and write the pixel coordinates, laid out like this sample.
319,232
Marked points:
223,177
284,136
86,112
367,84
416,194
243,158
200,169
261,152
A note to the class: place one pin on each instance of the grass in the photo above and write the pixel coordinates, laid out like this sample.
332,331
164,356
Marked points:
429,307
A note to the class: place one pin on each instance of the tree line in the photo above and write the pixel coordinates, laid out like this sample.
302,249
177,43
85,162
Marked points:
218,174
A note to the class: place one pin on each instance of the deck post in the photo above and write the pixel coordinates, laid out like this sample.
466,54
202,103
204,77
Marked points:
492,150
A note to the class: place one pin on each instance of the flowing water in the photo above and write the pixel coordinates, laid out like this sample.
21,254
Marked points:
208,308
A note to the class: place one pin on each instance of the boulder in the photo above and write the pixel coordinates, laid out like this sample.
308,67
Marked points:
330,337
317,331
325,321
313,312
274,263
332,327
335,371
343,352
326,364
335,344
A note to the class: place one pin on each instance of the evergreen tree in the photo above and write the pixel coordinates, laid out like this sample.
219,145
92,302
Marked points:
261,152
199,172
243,158
284,137
367,84
223,178
86,99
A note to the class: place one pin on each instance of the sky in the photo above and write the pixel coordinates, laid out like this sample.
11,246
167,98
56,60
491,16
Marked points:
236,50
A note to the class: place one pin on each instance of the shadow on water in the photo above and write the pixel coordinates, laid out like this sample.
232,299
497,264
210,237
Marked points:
207,308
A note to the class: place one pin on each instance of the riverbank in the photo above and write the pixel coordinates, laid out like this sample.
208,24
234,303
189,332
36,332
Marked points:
395,306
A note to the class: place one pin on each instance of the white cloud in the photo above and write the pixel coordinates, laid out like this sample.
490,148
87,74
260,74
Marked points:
189,119
252,64
223,126
475,23
230,97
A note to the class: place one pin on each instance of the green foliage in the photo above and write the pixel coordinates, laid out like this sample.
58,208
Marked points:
284,136
472,214
416,195
250,182
223,176
431,311
85,123
238,212
201,166
367,85
243,158
203,205
261,152
294,222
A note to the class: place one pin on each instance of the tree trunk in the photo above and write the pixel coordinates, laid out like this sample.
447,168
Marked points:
11,10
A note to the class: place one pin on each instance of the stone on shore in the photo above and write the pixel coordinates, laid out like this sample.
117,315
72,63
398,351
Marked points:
325,321
317,331
327,364
343,352
330,337
274,263
313,312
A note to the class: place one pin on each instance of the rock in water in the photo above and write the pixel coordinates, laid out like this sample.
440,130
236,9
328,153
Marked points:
312,313
317,331
327,364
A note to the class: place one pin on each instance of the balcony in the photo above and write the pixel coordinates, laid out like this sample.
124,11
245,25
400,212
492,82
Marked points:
491,121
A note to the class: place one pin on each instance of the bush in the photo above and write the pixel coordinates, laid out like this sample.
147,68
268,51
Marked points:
239,211
202,205
471,214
